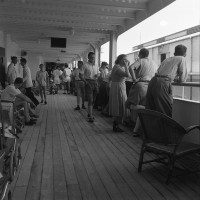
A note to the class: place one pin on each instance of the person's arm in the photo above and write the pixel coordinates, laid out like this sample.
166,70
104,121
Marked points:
37,78
81,75
132,69
25,98
26,74
121,72
182,71
47,78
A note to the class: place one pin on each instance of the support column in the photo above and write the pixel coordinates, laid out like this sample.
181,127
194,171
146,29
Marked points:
97,55
113,48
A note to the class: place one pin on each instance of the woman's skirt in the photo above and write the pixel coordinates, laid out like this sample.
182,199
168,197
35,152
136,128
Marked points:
117,99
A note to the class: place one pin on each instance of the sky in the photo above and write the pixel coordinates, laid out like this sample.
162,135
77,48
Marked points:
179,15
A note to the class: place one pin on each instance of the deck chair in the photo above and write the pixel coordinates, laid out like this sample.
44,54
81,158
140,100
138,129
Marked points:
9,139
162,136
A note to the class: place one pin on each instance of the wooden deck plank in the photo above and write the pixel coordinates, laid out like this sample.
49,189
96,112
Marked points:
34,185
98,187
106,179
60,188
122,186
47,190
73,188
118,150
65,157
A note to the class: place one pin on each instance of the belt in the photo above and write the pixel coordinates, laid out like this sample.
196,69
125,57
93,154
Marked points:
90,80
161,76
145,81
78,80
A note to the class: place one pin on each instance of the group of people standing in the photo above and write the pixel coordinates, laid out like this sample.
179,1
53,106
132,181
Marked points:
150,89
151,86
148,85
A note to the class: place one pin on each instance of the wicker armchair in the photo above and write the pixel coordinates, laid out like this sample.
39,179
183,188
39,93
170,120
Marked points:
162,136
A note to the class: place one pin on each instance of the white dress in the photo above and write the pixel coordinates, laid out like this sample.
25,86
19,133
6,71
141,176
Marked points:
56,75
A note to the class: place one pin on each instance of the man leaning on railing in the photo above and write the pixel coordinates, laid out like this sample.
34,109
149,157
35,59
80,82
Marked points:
159,93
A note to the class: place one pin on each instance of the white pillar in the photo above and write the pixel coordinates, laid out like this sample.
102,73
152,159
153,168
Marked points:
113,48
97,55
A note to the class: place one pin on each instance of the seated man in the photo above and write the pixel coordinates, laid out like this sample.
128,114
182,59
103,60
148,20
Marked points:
12,92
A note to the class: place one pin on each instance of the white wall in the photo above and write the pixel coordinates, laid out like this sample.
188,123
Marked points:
2,43
12,49
33,61
187,113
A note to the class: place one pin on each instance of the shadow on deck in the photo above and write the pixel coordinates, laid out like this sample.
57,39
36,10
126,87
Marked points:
65,157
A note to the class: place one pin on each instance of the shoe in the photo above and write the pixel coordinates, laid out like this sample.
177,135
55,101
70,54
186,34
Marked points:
90,116
34,116
83,107
116,128
68,93
33,119
41,101
91,120
135,134
77,108
18,130
45,102
64,93
30,123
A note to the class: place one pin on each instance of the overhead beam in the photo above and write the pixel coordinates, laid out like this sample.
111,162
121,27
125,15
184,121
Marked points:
62,10
17,13
44,22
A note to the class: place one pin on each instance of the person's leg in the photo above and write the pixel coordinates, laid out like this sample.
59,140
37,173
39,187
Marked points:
44,94
41,94
24,104
30,95
78,96
57,88
90,105
68,87
135,108
83,95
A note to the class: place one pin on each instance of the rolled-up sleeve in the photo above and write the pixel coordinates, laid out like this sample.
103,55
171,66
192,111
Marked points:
182,71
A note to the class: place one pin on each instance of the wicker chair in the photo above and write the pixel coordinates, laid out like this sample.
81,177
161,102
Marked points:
162,136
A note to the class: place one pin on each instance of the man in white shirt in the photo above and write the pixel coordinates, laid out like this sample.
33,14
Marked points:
80,86
27,79
159,93
91,73
66,78
12,93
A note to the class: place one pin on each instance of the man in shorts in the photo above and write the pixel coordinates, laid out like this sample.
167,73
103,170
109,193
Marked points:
90,75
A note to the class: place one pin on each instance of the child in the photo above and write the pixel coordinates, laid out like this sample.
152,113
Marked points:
42,80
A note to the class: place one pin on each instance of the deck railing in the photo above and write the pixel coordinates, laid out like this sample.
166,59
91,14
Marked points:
187,90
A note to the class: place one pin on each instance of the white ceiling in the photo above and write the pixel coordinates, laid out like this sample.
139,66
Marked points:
85,23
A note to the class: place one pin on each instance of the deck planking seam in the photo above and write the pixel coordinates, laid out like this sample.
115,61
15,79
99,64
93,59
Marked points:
118,179
101,170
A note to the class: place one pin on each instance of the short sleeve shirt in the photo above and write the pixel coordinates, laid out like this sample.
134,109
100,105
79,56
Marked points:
76,73
144,68
41,77
27,77
173,67
11,74
90,70
10,92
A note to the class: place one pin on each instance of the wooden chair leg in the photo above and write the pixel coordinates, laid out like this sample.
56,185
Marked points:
171,167
141,159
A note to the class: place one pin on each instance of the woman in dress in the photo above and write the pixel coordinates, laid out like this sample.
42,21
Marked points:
117,96
56,76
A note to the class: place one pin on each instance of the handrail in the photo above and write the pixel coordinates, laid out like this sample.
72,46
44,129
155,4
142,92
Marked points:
187,84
